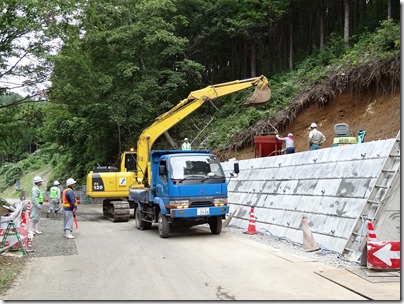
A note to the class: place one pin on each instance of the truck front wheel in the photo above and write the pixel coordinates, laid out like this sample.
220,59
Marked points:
215,224
163,226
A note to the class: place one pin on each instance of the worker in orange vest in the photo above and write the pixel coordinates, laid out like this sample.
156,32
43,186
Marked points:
69,208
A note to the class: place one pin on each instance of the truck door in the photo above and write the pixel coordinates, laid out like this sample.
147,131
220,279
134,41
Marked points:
162,181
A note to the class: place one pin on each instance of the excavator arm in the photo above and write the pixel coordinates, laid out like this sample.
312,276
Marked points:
187,106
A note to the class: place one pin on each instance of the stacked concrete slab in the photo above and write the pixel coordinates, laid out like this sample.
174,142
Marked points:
328,186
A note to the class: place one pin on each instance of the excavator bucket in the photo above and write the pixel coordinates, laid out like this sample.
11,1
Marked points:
260,96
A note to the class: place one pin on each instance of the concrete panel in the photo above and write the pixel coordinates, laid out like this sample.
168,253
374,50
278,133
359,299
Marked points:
233,185
337,154
294,235
305,171
305,187
289,202
323,170
371,167
363,150
246,185
285,173
322,157
299,158
382,148
271,186
341,207
330,186
353,187
287,187
347,169
309,205
270,173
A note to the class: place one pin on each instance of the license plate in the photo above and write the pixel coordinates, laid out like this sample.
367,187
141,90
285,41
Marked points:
202,211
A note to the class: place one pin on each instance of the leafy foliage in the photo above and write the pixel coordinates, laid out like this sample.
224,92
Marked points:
123,63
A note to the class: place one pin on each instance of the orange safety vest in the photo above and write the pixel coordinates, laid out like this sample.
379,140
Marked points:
66,203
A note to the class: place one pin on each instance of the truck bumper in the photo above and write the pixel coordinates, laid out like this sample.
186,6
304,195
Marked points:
199,212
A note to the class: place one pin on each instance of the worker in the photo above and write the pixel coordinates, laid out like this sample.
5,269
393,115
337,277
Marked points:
289,142
37,199
54,195
69,208
316,138
186,145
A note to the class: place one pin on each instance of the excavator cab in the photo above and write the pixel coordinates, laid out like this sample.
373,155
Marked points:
129,162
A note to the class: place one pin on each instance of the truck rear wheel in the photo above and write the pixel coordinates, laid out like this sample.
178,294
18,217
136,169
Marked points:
140,224
215,224
163,226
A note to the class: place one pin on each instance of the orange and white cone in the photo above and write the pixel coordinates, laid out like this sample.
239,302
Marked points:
251,225
309,244
372,237
28,209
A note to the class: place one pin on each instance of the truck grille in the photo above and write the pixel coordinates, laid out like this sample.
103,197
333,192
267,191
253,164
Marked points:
201,204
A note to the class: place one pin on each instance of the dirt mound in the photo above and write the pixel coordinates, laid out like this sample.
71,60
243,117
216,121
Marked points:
374,111
365,96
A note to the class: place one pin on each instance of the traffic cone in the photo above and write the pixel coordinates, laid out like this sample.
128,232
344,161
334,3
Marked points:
28,209
372,237
251,226
23,220
309,244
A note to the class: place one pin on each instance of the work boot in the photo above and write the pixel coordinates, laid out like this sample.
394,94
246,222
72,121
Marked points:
68,234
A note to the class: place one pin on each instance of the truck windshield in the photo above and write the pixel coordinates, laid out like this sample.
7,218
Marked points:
197,167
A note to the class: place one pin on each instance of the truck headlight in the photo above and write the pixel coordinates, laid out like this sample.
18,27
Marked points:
179,203
220,201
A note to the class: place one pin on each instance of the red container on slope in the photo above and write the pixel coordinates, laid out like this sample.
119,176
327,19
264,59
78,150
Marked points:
267,145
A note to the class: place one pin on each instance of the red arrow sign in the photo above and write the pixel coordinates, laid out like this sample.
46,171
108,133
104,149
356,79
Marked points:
383,255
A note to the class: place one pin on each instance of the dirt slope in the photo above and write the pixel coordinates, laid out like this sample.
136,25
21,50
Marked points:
378,114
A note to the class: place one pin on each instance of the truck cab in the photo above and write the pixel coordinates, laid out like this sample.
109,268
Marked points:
187,188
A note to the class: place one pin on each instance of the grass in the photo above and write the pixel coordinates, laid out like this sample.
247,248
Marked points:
10,268
26,183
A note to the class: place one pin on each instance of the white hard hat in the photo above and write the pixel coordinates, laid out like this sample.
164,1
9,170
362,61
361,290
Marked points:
70,181
290,134
186,139
56,183
313,125
38,179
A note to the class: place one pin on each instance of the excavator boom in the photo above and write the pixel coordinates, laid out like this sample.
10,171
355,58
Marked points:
187,106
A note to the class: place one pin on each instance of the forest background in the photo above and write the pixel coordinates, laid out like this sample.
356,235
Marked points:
95,74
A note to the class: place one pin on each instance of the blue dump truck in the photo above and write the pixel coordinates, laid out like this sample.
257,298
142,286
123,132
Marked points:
171,187
187,188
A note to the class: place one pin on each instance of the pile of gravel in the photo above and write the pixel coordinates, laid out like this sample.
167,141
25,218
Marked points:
52,242
322,255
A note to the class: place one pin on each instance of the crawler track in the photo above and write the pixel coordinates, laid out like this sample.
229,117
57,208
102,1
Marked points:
116,211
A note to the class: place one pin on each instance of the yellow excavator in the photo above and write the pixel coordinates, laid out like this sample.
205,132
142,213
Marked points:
136,171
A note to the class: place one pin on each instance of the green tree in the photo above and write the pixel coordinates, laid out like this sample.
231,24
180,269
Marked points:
115,79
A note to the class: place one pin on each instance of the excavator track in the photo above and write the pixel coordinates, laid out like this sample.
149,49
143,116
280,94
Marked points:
116,211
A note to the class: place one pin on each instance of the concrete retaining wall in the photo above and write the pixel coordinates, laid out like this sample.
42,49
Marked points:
329,186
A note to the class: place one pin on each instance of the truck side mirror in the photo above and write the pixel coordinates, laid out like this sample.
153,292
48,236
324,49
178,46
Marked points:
236,168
